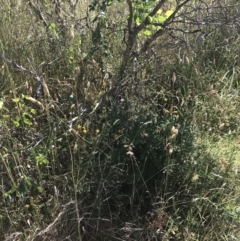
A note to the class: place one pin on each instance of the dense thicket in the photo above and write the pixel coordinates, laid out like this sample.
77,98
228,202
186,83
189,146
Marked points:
107,111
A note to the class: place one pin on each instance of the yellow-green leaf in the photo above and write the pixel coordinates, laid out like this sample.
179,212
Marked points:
161,19
149,19
147,33
41,160
1,104
33,111
138,22
16,100
16,122
169,13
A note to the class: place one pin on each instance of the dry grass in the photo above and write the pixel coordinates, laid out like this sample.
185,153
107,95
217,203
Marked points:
155,157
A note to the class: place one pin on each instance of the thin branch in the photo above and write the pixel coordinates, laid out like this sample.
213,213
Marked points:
130,19
158,33
40,80
51,225
15,65
158,6
132,33
38,13
146,21
177,9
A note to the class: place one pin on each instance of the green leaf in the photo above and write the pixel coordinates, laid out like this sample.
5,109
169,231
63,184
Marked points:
27,121
109,2
147,33
40,189
150,19
41,160
138,21
5,194
33,111
16,122
154,27
52,26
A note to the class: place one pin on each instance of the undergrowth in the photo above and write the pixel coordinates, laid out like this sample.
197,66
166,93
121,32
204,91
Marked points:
91,154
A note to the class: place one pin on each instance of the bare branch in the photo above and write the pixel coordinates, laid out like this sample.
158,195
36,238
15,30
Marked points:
130,19
51,225
158,33
13,236
38,13
146,21
40,81
132,33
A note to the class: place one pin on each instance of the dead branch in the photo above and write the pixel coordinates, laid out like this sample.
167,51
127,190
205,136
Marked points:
39,79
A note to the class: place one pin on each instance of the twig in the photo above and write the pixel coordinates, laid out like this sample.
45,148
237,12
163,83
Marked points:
40,80
51,225
38,13
13,236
